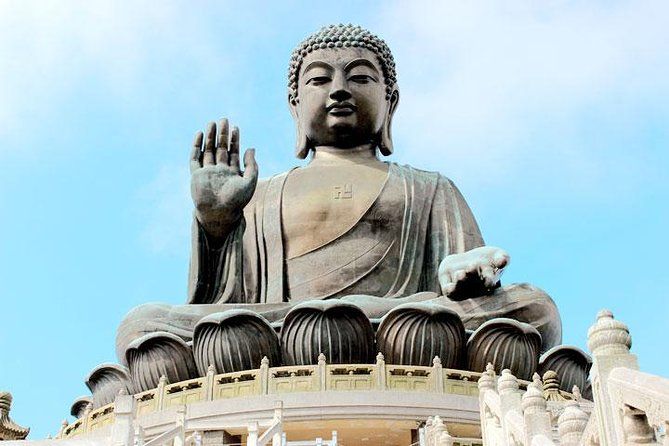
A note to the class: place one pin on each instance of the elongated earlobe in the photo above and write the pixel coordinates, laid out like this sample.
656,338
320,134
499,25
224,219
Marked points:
386,137
301,140
301,144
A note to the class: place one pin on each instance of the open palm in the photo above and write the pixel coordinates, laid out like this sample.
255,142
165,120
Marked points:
219,188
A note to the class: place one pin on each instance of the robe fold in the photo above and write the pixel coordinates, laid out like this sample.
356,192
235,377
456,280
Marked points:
393,250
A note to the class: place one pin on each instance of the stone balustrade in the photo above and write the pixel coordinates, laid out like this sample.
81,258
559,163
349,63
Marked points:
288,379
630,407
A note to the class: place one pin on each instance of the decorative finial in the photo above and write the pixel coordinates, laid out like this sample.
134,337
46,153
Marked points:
436,361
380,357
536,380
321,358
64,423
551,387
609,336
264,361
572,423
577,393
211,369
122,391
162,380
487,379
507,383
533,399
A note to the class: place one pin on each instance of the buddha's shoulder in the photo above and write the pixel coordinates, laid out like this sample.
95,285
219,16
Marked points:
421,174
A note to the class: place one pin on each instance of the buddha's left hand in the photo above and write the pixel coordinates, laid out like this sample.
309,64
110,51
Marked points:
473,273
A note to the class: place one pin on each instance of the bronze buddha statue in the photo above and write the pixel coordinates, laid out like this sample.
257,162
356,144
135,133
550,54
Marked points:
345,255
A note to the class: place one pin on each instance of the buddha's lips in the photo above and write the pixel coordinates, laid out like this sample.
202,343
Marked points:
341,108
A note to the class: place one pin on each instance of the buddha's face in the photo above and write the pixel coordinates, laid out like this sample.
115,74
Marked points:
341,97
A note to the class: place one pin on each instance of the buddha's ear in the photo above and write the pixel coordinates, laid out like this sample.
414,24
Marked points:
386,137
301,141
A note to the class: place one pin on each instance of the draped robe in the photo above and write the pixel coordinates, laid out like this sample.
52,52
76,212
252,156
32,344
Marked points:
390,255
393,250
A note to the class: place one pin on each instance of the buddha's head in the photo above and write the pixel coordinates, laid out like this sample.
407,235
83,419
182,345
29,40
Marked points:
342,90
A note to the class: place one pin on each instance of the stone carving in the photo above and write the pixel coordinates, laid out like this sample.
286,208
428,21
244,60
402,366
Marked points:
9,430
571,364
234,340
346,226
551,386
609,336
414,333
506,344
105,381
571,424
159,354
80,405
339,330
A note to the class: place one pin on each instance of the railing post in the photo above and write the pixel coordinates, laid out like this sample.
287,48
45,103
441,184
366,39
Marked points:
139,436
535,413
123,431
486,384
252,435
160,390
571,424
61,432
609,342
209,383
86,418
438,375
264,376
278,418
179,440
380,372
322,372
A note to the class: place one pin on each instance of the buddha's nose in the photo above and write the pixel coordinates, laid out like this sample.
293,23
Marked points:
339,90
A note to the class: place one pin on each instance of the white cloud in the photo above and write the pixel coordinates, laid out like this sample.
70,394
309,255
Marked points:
49,49
483,82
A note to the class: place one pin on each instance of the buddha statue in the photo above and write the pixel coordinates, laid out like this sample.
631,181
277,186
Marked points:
346,256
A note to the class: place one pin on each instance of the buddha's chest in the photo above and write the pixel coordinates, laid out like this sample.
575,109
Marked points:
320,204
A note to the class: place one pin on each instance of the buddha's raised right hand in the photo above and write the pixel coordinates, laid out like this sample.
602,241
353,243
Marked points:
218,187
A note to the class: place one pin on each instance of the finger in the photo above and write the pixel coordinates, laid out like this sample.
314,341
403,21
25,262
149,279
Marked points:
196,153
459,275
250,165
489,276
210,145
222,144
448,288
500,259
234,150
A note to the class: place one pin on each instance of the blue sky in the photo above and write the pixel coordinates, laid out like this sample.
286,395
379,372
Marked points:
551,117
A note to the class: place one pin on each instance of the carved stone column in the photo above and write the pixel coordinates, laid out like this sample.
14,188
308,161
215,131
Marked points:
609,342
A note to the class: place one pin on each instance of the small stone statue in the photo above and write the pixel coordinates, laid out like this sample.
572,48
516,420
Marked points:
332,247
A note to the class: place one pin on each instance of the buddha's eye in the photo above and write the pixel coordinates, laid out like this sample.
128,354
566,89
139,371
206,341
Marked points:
318,80
361,79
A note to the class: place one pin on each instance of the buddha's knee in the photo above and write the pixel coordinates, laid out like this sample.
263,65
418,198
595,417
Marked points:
139,321
522,302
537,308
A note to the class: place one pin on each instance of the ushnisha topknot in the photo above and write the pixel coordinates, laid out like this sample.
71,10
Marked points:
342,36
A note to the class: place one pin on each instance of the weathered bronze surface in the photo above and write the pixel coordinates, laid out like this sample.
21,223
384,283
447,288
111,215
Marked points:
347,226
